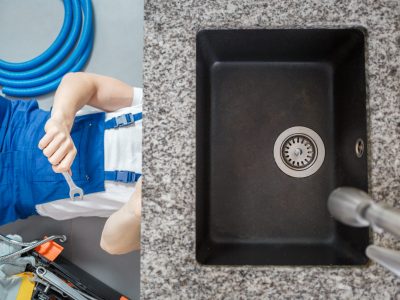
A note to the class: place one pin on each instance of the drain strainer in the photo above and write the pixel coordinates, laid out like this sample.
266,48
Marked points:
299,151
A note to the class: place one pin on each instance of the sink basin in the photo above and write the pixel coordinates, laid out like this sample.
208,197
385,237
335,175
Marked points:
281,122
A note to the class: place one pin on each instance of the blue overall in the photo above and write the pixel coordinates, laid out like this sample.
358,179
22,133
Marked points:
26,176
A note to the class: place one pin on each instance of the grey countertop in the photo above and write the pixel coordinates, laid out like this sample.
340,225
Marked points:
168,266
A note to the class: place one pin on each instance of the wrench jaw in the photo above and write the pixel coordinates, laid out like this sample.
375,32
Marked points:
76,194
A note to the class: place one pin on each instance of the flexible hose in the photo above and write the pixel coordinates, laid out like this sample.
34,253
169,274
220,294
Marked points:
68,53
50,51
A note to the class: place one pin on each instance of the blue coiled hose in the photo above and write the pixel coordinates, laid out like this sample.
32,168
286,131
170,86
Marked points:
68,53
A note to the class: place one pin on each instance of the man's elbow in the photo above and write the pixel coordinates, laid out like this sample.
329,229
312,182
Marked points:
78,79
72,76
108,247
121,233
115,249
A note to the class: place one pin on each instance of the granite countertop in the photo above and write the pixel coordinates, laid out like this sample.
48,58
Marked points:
168,267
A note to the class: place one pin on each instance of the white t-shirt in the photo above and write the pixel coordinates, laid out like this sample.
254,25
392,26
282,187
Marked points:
122,151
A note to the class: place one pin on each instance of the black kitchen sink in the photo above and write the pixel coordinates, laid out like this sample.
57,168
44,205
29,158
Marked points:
281,122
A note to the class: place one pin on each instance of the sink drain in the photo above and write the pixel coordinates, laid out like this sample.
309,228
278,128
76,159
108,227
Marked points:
299,151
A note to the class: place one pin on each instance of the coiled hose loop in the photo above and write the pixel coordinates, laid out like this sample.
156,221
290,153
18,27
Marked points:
68,53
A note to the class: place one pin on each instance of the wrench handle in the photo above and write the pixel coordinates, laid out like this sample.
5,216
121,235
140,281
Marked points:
69,180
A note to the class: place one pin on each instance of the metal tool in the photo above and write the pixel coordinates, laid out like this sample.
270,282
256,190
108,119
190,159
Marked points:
25,247
83,283
60,285
75,192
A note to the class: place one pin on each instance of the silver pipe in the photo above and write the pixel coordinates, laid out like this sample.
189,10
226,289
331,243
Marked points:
356,208
383,217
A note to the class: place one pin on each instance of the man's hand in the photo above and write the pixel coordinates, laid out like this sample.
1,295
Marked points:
57,145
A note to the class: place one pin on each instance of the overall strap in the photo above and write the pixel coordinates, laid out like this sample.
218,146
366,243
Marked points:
122,176
123,120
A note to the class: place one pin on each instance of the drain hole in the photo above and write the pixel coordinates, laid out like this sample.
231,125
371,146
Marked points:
299,151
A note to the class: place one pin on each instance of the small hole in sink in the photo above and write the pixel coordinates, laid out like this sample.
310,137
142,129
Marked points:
359,148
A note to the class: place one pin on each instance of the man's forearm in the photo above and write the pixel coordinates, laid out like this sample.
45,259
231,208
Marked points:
73,93
79,89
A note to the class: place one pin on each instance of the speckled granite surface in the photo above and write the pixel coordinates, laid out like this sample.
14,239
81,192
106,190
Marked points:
169,269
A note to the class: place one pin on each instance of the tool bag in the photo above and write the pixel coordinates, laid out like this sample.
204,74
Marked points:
36,270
